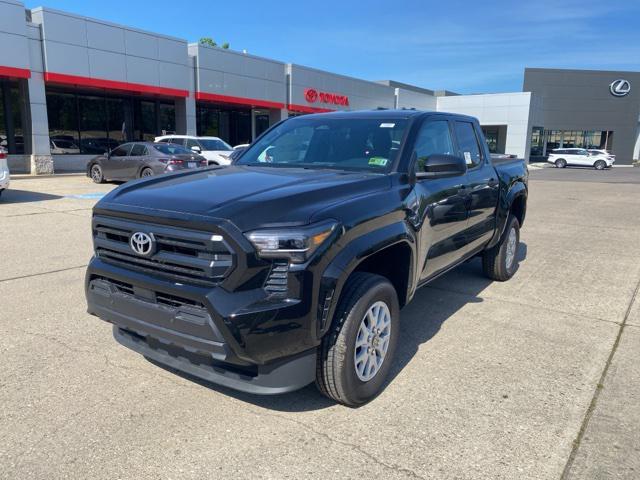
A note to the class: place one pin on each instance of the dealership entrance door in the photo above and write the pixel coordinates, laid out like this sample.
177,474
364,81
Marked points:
496,136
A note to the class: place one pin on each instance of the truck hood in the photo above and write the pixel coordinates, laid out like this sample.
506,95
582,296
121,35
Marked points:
249,197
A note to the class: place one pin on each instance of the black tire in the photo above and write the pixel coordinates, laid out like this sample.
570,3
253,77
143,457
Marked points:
146,172
336,375
96,173
600,165
494,261
561,163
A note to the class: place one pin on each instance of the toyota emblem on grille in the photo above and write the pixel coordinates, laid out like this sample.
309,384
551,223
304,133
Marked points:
142,243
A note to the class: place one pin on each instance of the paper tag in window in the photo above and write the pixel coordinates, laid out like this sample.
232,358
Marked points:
467,158
387,125
378,161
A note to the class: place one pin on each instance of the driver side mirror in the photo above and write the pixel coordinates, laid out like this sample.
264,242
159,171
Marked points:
196,149
440,166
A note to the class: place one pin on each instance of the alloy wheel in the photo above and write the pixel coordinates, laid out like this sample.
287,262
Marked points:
372,341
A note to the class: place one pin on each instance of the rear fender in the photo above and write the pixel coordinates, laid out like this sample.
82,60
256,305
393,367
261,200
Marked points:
504,208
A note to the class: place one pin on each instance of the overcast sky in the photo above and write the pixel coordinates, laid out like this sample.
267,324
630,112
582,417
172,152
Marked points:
468,47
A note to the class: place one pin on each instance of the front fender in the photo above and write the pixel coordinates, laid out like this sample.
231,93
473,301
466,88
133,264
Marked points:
352,254
504,208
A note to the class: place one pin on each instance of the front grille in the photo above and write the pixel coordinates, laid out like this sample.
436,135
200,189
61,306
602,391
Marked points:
180,254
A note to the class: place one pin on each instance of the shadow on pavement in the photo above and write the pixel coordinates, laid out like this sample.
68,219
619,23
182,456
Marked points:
25,196
420,320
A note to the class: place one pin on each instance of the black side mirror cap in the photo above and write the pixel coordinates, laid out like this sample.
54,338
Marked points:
440,166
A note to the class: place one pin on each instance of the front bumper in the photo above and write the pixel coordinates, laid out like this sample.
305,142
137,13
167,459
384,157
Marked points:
238,340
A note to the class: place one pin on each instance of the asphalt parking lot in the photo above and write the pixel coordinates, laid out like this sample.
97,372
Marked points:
536,378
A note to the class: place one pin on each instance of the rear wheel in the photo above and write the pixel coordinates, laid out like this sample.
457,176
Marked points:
357,353
96,173
600,165
561,163
146,172
500,262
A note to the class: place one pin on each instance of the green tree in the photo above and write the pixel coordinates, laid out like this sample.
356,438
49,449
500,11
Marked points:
225,45
208,41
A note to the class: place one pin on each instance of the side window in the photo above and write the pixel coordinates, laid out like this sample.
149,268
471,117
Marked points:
164,140
468,143
192,143
121,151
138,150
433,138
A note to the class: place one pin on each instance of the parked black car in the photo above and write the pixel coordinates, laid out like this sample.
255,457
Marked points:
292,264
142,159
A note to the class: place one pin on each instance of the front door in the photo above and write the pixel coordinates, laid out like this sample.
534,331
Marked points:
114,165
440,208
483,187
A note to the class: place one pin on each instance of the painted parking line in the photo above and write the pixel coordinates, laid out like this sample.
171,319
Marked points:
87,196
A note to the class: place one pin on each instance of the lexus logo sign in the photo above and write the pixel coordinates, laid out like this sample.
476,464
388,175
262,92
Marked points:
620,87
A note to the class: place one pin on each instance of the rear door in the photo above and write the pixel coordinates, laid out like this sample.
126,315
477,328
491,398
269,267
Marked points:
135,160
440,208
482,182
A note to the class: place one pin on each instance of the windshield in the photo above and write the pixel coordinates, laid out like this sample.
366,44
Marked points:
323,142
212,144
171,149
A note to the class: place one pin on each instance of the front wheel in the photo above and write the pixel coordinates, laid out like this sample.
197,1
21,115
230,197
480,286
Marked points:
500,262
96,173
357,353
600,165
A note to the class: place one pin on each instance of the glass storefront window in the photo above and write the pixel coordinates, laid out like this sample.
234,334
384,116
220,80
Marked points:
576,139
262,122
537,142
62,111
11,125
93,124
117,131
233,125
167,119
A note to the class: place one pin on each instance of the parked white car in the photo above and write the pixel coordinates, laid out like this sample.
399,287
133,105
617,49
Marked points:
214,149
563,157
606,153
4,170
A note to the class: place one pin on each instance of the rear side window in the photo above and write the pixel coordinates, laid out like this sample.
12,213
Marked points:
138,150
468,143
191,143
177,141
433,138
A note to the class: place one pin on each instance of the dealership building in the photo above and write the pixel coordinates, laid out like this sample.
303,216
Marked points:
73,87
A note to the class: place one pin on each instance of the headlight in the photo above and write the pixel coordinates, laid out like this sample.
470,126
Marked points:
296,244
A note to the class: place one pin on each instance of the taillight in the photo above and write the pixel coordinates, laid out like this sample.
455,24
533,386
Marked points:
203,163
3,155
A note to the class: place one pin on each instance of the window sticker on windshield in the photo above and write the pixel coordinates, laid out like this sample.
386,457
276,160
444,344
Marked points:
467,158
387,125
378,161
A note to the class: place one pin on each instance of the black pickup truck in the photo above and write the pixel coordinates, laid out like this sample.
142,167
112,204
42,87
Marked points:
292,264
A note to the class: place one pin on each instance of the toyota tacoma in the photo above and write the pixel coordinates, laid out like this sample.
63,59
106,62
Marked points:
292,264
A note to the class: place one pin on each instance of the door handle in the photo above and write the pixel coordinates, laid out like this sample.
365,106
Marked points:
462,190
492,182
